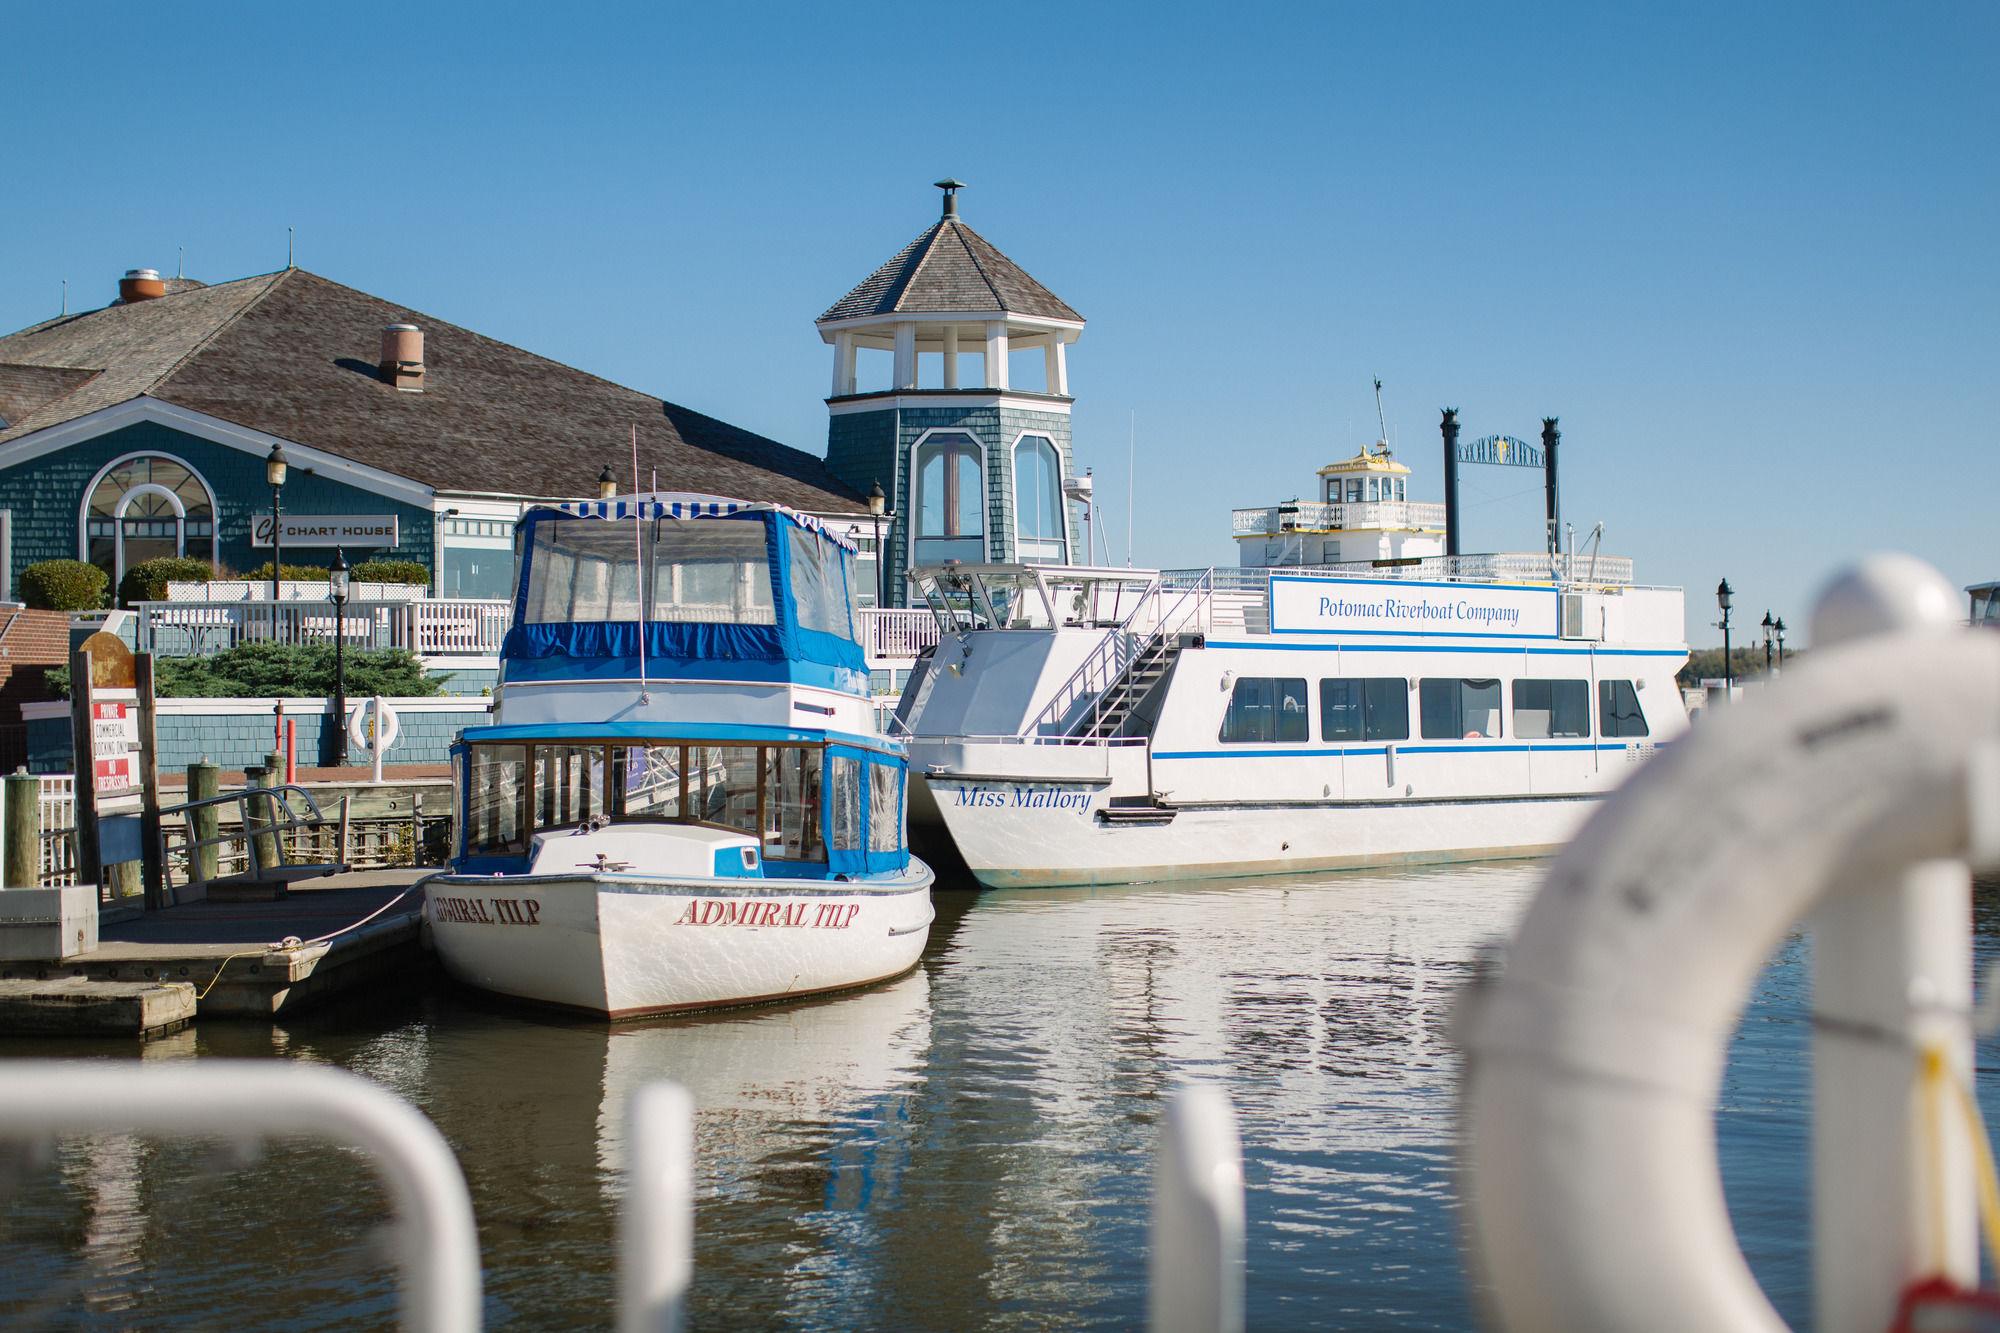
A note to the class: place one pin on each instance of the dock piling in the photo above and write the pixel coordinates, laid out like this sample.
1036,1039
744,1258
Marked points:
204,780
261,812
23,868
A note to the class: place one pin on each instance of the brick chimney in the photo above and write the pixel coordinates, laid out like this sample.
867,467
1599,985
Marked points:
402,362
140,284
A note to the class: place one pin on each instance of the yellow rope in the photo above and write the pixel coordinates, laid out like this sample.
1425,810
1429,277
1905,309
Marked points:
225,963
1985,1175
1937,1073
1931,1069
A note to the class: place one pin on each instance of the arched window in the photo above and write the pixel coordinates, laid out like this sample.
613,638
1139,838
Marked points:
1038,516
144,507
951,500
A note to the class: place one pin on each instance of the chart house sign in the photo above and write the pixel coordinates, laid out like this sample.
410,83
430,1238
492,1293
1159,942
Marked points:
363,530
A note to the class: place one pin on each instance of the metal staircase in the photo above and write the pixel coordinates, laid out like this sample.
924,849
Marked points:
1115,706
1099,701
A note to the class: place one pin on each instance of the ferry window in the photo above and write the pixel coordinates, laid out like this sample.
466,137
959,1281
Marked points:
951,500
1354,490
1461,709
646,781
714,571
494,800
569,784
1038,519
1364,708
845,774
723,786
1545,708
792,831
1401,484
1266,709
818,585
1374,488
885,808
1618,711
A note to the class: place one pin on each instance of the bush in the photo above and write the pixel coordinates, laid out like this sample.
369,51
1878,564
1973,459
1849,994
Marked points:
285,670
64,585
293,573
392,571
147,581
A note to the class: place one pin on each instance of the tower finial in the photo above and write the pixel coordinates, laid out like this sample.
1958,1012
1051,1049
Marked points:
951,188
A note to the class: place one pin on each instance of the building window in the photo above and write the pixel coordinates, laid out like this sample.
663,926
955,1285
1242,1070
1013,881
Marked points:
1038,516
1467,709
145,507
1618,711
1547,708
1266,709
951,500
1372,708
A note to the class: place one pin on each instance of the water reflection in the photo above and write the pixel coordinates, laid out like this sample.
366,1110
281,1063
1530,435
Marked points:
966,1147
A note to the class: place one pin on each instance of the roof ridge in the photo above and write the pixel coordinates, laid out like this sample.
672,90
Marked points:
277,276
908,276
985,277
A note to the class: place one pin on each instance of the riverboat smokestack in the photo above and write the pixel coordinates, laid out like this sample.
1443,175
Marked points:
1550,438
1450,428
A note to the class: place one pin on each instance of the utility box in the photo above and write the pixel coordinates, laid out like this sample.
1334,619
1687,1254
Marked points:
48,925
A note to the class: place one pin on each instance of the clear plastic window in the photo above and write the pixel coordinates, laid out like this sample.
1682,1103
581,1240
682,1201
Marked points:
569,784
845,774
794,832
646,781
495,799
818,587
885,808
713,571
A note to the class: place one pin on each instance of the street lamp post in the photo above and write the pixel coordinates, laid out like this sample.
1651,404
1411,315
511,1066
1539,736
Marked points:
337,575
1778,629
1724,595
1767,642
274,472
607,484
878,504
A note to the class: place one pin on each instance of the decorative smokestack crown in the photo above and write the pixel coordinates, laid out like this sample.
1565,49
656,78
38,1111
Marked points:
402,362
140,284
951,188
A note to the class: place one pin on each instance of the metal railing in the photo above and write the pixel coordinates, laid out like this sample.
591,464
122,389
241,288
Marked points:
1313,516
426,626
1121,646
268,826
56,817
1490,567
896,632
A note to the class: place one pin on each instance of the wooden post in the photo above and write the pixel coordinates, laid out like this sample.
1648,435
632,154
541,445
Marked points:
204,825
260,823
416,828
23,869
152,846
340,853
89,868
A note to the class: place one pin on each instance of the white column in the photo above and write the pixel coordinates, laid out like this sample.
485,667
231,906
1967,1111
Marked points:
843,364
951,356
1056,364
996,354
906,356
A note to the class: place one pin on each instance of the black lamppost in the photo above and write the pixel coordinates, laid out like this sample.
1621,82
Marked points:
274,472
1778,629
337,575
878,504
607,485
1724,595
1768,624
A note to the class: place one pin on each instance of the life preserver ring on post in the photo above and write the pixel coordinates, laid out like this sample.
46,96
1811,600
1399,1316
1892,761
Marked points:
1594,1058
373,725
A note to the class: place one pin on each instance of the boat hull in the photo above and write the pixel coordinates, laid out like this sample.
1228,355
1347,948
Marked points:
1020,835
626,946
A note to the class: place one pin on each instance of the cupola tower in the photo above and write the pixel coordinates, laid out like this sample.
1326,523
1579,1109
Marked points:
951,392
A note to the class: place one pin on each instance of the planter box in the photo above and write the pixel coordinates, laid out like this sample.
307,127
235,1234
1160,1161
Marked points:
48,925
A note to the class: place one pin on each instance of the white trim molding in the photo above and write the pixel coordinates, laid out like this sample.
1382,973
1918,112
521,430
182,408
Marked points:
144,488
1062,500
916,509
890,399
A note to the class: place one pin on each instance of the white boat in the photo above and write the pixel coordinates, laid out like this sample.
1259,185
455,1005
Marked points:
1079,726
687,809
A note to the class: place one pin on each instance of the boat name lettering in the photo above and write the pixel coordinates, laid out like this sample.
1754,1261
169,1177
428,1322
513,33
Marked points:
732,912
1302,604
487,911
1024,798
1394,608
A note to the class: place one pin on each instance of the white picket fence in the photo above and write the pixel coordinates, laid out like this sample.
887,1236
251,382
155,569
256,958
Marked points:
428,627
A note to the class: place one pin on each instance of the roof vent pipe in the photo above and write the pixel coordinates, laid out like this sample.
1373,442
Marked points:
140,284
402,361
951,188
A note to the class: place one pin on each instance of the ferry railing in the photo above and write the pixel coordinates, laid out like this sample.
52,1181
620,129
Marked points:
1122,645
1610,572
437,1246
1315,516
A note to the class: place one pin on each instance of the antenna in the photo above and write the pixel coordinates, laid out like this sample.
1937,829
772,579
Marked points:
1380,422
1131,467
291,249
65,309
639,554
181,264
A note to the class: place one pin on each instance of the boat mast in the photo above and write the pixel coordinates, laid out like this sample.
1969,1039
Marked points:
639,555
1381,424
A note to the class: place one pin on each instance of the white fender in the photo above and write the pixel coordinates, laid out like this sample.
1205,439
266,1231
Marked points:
1594,1060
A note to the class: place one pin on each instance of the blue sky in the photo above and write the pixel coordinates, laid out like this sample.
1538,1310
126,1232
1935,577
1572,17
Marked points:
1745,252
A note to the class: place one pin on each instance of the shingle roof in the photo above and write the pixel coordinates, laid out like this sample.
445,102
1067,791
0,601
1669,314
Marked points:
293,354
950,268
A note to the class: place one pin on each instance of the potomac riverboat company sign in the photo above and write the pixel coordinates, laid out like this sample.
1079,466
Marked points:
1303,605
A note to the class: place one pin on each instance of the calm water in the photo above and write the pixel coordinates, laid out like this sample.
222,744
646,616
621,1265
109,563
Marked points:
966,1147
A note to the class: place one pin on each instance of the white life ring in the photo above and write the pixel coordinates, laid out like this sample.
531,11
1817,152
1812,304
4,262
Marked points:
1594,1059
387,724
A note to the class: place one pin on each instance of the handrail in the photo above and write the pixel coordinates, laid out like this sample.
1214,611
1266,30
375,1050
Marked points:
1119,644
249,829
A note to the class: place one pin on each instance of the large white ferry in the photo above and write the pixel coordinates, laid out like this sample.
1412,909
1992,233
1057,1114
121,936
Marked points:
683,801
1368,703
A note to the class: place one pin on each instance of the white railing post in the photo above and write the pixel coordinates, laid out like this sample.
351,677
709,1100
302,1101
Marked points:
656,1229
1195,1268
437,1245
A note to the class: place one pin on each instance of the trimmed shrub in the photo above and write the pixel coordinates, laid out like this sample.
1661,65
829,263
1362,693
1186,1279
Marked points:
293,573
392,571
147,581
64,585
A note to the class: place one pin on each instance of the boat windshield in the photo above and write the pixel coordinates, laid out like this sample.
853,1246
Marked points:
1030,596
711,571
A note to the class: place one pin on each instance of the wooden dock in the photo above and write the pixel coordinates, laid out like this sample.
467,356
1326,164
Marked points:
234,960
